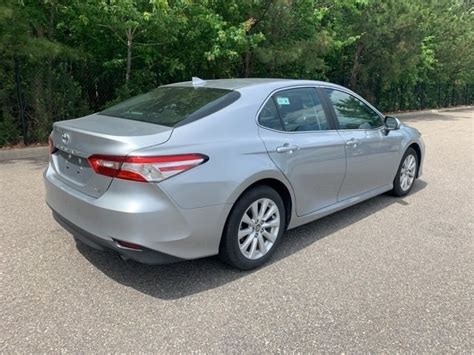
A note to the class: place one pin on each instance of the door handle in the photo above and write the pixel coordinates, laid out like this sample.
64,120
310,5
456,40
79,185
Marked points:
287,148
353,142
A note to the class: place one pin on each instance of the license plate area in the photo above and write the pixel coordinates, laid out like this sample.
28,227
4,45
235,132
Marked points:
73,167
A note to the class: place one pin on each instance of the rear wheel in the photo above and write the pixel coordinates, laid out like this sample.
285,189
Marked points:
406,174
254,228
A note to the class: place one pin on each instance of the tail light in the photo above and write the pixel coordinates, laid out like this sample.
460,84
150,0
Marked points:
145,169
52,148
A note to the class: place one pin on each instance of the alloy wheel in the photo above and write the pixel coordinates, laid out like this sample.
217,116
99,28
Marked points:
408,172
258,228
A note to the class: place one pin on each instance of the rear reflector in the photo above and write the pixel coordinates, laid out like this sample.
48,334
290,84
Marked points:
128,245
145,169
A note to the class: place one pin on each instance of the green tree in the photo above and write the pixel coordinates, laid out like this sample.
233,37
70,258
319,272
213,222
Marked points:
73,57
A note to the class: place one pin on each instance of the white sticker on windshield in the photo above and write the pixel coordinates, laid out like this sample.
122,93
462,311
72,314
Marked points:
283,101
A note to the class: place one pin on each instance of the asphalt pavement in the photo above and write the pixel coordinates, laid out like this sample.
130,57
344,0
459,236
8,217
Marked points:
388,275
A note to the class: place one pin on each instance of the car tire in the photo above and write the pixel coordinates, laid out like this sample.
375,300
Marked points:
248,242
406,170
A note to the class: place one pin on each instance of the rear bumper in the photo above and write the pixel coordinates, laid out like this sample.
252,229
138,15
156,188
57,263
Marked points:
138,213
145,256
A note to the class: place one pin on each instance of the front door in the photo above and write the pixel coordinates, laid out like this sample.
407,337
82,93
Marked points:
372,155
301,141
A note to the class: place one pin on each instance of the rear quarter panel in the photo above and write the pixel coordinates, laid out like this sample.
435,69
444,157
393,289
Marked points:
237,155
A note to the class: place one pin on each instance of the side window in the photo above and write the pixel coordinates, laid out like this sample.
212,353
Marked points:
269,117
300,110
351,112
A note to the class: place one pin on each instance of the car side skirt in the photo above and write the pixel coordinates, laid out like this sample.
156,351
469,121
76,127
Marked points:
298,221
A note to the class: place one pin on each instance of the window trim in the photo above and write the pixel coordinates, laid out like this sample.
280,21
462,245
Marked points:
354,95
327,111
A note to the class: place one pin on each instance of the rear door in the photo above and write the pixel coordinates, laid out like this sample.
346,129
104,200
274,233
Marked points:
301,140
371,154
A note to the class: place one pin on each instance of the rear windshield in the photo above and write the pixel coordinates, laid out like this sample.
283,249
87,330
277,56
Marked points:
173,106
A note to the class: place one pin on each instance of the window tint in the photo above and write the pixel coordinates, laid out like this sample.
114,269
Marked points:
269,116
300,110
171,106
351,112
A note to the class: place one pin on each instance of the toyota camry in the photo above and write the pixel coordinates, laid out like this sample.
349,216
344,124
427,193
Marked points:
222,167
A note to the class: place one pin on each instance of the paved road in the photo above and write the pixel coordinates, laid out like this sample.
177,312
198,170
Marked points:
387,275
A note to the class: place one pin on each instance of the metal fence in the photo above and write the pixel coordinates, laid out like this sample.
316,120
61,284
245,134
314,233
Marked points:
42,93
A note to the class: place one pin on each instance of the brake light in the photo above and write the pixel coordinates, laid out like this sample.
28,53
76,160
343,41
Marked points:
145,169
52,148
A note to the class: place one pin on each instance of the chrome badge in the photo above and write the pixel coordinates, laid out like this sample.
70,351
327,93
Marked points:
65,138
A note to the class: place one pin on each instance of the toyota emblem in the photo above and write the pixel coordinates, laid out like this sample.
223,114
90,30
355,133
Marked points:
65,138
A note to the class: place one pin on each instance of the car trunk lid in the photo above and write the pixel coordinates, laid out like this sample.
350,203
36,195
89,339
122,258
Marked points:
81,138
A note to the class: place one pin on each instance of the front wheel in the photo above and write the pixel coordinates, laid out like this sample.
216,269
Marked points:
406,174
254,228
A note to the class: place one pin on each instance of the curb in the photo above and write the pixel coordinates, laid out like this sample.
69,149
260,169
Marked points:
414,114
23,153
434,111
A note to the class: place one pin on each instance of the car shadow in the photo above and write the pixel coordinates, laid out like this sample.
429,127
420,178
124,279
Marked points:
186,278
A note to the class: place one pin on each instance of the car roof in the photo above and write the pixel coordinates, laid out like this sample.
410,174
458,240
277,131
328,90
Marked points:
264,86
238,84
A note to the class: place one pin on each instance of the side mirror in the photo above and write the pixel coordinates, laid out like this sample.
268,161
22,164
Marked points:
391,123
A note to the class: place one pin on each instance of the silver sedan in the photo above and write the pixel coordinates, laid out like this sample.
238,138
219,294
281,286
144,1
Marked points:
222,167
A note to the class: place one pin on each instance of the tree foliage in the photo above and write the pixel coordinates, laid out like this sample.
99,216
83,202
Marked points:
64,58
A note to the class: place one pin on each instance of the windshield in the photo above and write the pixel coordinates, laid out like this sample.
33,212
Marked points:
173,106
